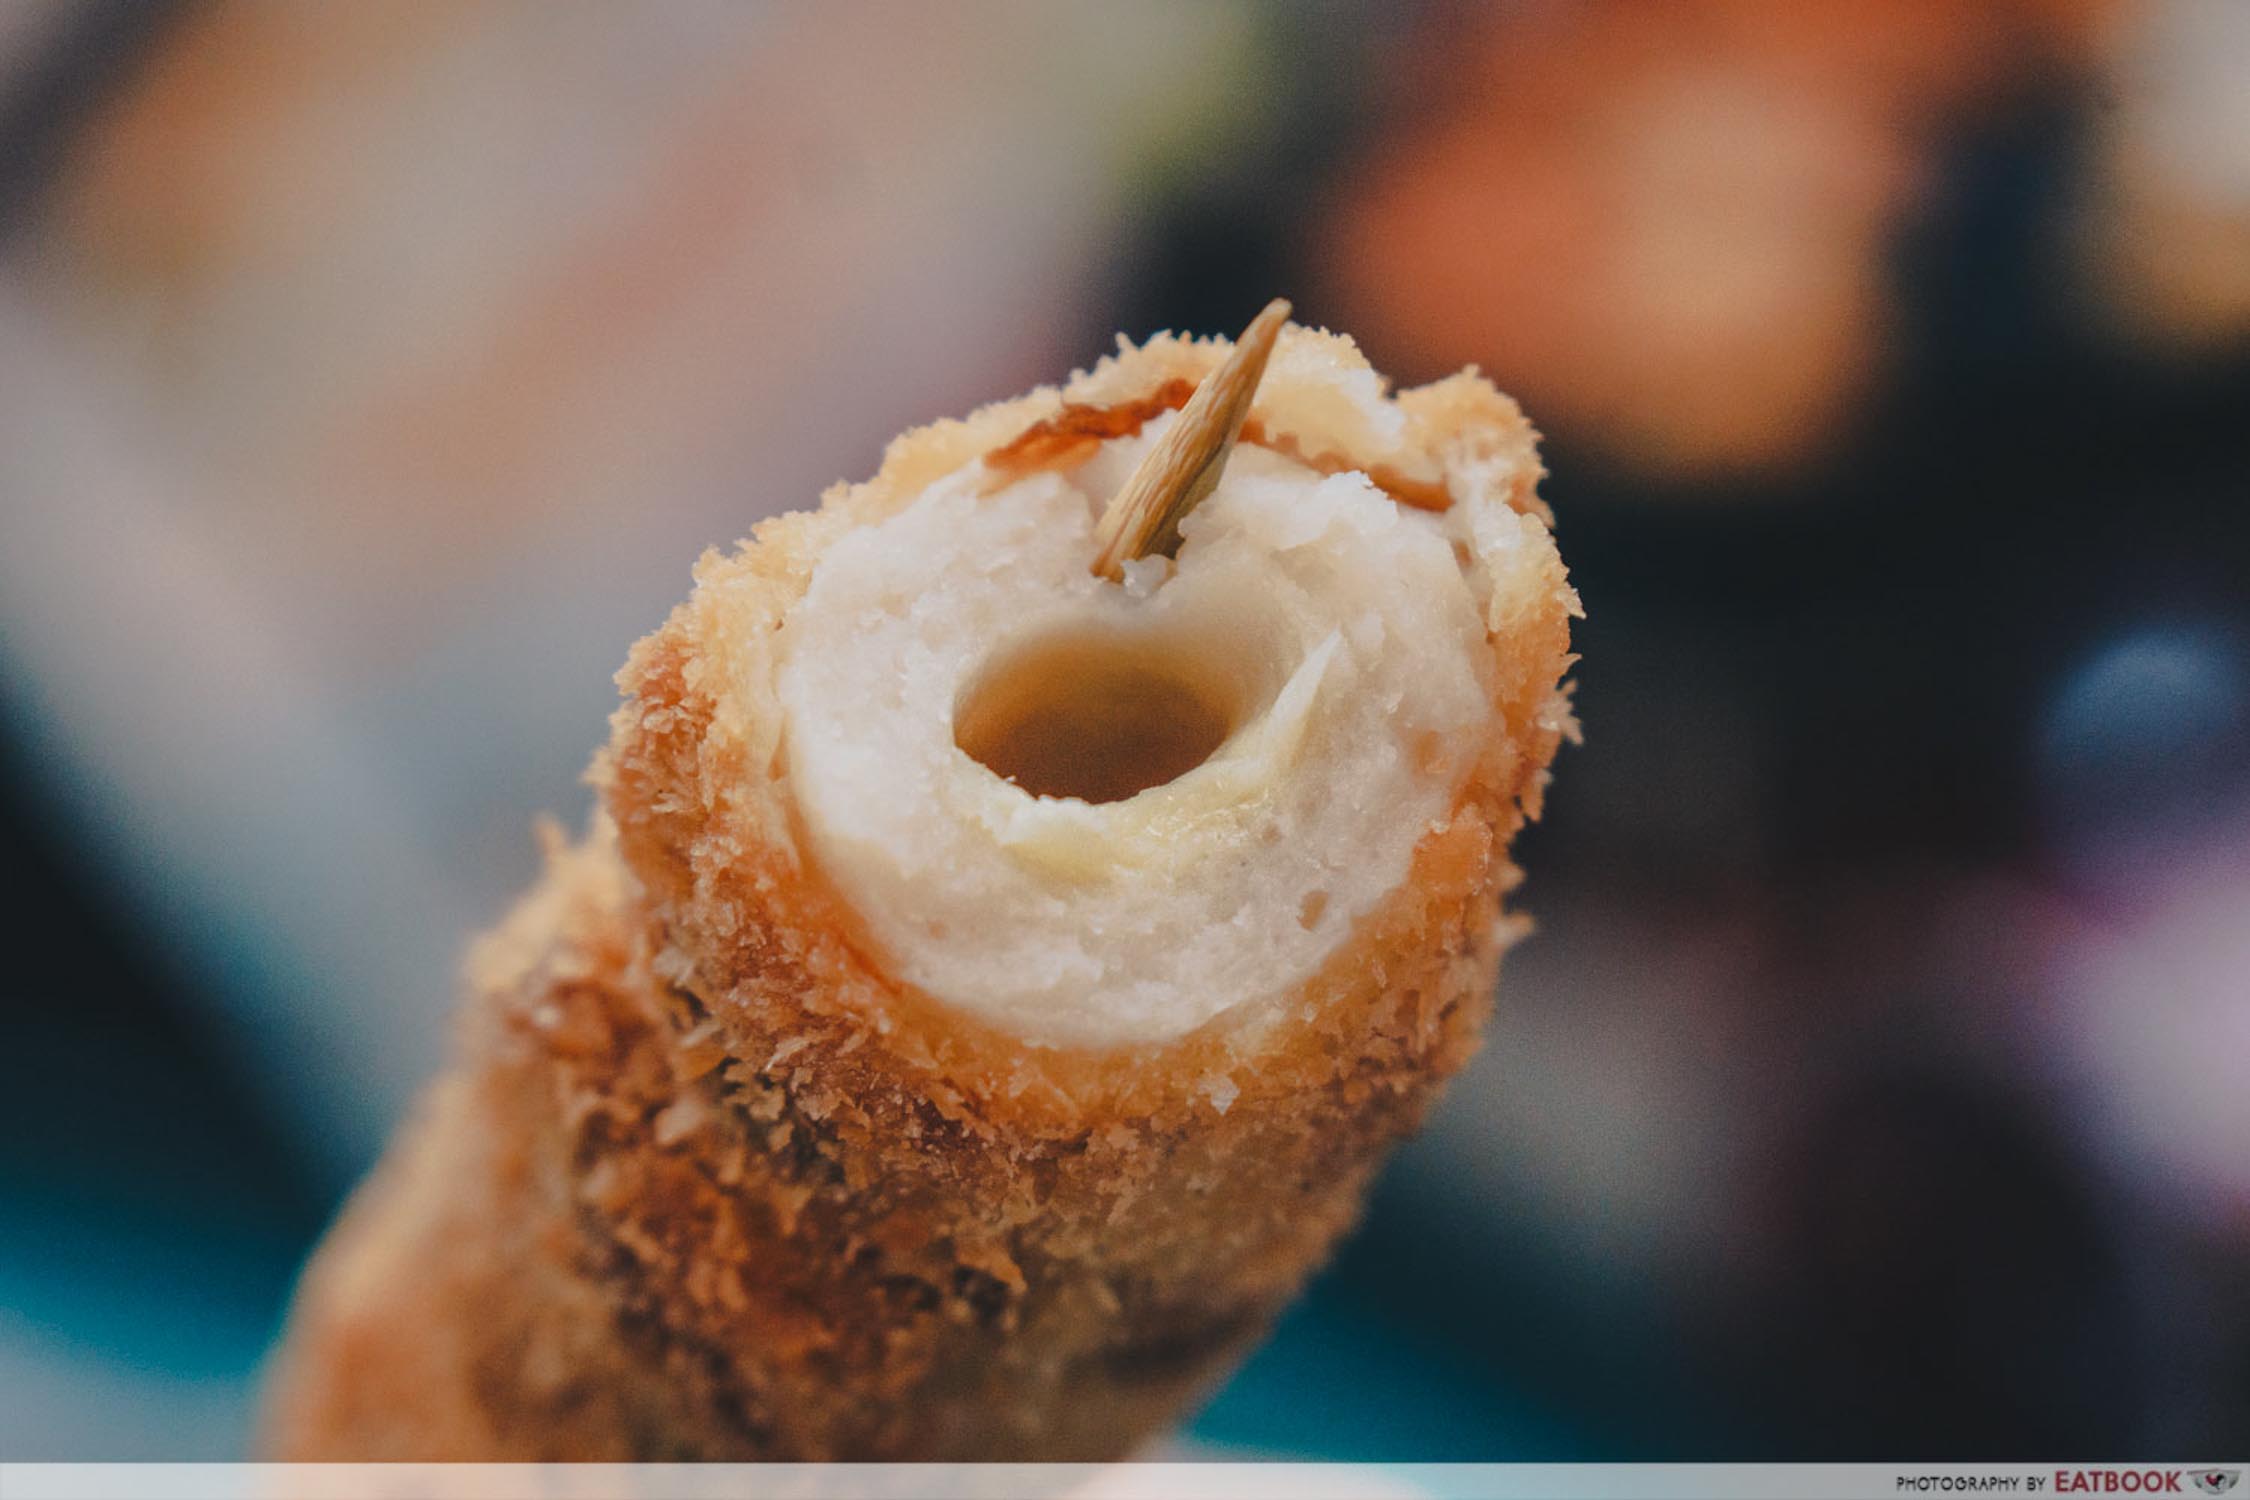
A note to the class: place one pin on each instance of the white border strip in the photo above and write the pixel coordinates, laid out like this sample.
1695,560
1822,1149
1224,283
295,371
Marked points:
1130,1481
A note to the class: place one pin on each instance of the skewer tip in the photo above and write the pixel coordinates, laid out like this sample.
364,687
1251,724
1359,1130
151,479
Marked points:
1184,466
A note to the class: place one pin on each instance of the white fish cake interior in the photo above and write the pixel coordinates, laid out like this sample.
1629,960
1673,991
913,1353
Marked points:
1097,814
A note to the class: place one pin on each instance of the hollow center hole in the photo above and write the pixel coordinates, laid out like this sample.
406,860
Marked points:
1100,716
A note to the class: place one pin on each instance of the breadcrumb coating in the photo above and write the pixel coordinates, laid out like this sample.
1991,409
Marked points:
707,1181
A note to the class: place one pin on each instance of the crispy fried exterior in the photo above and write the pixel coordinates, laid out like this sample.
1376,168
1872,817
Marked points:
708,1182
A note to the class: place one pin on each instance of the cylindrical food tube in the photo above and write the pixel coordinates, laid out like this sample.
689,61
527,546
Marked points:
987,986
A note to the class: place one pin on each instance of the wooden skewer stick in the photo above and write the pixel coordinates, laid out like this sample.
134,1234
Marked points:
1184,467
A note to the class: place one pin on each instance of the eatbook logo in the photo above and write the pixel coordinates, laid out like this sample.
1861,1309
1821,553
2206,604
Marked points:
2216,1481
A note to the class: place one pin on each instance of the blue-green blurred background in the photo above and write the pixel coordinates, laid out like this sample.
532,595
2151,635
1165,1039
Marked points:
1878,1083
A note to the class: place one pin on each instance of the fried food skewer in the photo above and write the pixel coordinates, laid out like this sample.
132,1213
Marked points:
923,1057
1183,468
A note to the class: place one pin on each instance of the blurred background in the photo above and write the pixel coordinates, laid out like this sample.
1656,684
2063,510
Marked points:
1878,1082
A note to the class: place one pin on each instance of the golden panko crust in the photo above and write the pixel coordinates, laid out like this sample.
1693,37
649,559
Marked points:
709,1182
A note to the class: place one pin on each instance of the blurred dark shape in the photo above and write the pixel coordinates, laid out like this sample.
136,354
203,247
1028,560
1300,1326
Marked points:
1669,228
146,1206
54,77
2144,751
1949,1286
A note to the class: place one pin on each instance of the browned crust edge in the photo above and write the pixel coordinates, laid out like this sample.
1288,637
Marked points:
706,1183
